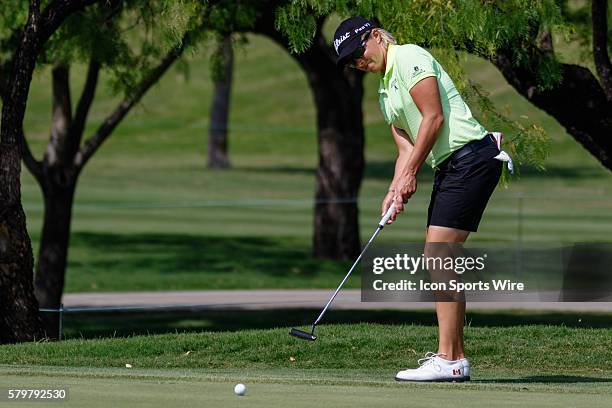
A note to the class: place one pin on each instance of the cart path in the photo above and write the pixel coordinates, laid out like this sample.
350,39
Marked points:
286,299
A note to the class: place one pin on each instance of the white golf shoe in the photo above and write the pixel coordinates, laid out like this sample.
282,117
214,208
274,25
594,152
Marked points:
435,369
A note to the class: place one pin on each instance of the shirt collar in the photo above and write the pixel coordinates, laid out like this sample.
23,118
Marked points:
391,51
384,79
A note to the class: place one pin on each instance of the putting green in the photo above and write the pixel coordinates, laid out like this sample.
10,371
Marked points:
119,387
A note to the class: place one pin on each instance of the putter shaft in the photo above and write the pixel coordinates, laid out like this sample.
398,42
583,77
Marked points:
311,336
378,229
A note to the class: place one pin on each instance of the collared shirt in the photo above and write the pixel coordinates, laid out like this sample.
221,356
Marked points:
406,66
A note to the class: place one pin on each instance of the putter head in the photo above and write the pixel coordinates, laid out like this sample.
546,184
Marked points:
302,335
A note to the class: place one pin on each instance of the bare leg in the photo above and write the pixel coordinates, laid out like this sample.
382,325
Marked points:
451,315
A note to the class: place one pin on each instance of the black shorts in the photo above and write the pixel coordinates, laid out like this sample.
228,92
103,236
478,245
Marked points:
462,187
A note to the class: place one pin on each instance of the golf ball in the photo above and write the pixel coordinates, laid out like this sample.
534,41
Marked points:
240,389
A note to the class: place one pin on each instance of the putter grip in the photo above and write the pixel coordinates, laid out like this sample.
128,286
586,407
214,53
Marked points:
388,214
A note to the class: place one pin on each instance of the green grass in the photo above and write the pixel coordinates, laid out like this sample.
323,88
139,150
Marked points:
347,365
518,358
305,388
177,261
527,349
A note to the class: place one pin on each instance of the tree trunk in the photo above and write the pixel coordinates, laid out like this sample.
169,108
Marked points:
341,160
337,99
339,175
219,112
53,252
340,135
599,15
19,320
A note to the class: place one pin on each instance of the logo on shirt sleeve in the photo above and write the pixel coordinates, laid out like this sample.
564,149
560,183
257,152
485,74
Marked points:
417,71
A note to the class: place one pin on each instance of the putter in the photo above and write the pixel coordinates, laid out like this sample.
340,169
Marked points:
300,334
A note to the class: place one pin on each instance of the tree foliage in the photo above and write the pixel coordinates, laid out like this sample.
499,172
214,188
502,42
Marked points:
451,28
126,37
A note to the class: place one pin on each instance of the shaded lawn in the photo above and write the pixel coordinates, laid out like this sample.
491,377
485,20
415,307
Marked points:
115,262
125,324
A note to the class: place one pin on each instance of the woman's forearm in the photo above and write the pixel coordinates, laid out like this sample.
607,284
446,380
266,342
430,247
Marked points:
427,136
404,151
400,164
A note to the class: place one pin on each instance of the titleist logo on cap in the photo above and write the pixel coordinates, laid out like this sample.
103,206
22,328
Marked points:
339,41
347,35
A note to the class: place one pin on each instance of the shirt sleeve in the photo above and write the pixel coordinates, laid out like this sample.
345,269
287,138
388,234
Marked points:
415,64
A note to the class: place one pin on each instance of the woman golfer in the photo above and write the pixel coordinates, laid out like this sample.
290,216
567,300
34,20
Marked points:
430,123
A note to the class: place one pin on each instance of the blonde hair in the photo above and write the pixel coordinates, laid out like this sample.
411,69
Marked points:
386,36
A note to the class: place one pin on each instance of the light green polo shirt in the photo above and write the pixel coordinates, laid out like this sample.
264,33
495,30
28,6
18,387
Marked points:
407,65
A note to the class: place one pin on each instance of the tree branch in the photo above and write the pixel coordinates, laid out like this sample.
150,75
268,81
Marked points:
36,32
577,102
34,7
21,67
111,121
82,110
3,81
545,42
61,116
33,165
57,11
599,12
